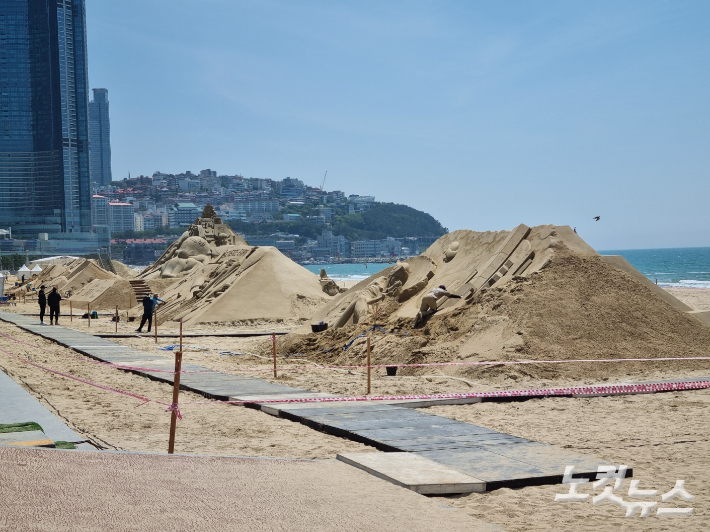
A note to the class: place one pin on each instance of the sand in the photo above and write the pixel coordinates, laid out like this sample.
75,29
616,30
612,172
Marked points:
123,271
574,307
577,308
114,421
112,492
664,437
695,298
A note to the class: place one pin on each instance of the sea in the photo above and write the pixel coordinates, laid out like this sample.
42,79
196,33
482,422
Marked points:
673,267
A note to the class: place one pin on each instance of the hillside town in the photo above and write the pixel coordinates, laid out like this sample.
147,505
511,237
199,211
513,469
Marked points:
138,217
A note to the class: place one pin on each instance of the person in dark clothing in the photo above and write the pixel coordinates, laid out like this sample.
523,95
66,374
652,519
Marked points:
147,313
149,305
53,299
42,300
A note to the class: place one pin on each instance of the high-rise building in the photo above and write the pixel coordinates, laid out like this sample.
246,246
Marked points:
100,138
44,141
100,210
121,217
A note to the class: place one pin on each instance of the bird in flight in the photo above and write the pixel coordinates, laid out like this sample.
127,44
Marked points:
596,218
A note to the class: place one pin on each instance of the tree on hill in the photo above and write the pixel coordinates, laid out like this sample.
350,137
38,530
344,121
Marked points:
387,219
381,221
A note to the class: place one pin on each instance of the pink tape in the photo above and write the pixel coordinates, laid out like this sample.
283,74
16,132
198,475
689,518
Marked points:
96,385
175,408
18,341
618,389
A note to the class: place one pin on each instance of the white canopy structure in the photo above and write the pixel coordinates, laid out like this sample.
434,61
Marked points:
56,259
24,269
36,270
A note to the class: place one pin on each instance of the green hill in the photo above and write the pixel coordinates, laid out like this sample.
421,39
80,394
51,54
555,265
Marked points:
381,221
387,219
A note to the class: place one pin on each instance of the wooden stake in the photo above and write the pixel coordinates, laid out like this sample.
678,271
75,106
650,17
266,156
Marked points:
116,318
369,368
71,312
181,335
88,313
155,324
176,393
273,342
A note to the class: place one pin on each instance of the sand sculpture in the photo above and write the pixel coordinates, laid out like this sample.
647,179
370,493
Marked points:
450,253
533,293
219,278
329,286
196,247
468,263
464,261
395,281
210,274
72,275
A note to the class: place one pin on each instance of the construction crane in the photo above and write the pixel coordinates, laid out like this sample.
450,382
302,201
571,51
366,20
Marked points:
323,183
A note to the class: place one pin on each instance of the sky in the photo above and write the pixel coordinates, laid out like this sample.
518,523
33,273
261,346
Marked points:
483,114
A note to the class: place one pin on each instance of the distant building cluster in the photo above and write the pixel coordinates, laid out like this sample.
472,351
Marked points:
175,200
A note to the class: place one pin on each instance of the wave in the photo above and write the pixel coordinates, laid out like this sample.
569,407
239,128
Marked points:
348,277
687,283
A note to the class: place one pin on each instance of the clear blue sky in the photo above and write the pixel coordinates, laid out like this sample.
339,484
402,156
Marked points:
484,114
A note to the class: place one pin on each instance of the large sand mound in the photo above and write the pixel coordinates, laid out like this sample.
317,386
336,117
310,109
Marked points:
72,276
216,277
546,296
251,285
103,294
123,271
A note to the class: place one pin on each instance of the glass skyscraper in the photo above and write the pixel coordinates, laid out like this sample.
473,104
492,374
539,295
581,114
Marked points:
100,138
44,140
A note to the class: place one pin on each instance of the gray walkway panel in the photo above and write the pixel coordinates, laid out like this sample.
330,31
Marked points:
18,406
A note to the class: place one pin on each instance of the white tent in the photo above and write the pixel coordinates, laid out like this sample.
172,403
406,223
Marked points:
24,269
36,270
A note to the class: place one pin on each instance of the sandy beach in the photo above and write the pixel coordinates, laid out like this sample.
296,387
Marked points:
664,437
695,298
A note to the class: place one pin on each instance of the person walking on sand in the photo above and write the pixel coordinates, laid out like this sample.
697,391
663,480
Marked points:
42,300
53,299
149,305
430,302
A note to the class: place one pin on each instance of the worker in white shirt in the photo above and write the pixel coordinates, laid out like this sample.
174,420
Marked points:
430,302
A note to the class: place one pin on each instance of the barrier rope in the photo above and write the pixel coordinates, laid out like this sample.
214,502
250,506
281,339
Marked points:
618,389
18,341
96,385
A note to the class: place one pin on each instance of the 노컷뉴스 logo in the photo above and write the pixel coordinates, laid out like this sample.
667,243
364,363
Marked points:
605,474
